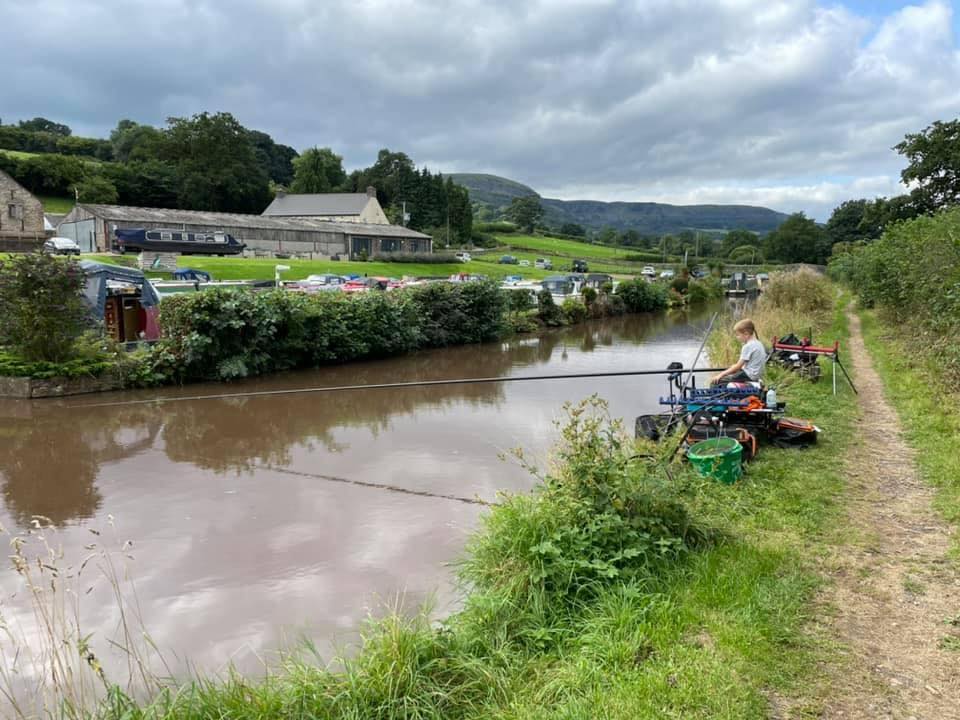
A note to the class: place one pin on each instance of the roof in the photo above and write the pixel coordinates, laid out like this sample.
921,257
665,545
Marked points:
133,215
318,204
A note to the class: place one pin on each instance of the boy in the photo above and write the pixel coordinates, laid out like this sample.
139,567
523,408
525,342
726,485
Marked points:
753,356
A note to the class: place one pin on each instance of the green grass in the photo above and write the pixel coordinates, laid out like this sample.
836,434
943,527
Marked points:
564,248
19,154
263,268
711,634
58,205
928,410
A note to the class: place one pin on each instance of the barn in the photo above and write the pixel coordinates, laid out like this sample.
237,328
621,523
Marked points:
92,226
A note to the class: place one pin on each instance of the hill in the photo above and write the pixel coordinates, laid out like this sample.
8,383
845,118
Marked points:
496,193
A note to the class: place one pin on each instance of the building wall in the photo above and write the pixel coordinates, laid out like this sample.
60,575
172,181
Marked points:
21,214
372,213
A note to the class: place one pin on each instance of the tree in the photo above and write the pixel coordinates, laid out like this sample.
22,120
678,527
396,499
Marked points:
96,189
846,223
738,238
798,240
525,212
216,165
572,229
607,236
630,238
39,124
934,164
276,159
318,170
132,141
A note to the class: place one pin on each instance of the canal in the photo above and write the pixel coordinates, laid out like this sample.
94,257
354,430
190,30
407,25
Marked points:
244,535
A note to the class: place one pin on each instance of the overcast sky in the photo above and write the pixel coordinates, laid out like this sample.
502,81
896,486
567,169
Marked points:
793,105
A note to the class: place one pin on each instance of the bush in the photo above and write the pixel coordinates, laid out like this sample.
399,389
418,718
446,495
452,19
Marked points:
500,226
641,296
420,258
589,296
574,311
519,300
547,309
42,313
224,334
701,291
599,517
803,291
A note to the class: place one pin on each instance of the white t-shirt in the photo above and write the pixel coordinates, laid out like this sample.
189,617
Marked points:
754,356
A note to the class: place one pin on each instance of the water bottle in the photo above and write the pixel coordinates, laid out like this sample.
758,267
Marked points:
772,399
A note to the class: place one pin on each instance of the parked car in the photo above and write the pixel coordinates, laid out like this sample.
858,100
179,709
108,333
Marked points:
543,264
579,266
508,260
667,275
524,263
463,256
699,273
61,246
649,271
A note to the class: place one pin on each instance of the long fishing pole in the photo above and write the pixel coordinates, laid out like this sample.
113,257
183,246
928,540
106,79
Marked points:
385,386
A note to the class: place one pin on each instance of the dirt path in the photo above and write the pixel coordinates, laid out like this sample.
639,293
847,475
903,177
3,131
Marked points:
894,593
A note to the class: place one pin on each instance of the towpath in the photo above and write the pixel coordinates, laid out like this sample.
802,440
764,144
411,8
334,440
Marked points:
894,602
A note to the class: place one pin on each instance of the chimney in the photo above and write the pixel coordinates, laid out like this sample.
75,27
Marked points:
371,191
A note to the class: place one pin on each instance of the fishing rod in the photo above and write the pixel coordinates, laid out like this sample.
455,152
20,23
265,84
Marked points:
388,386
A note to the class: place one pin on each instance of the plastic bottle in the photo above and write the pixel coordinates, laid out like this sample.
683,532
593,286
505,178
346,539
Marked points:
772,398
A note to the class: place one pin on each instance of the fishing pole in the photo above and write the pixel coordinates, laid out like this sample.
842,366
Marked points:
386,386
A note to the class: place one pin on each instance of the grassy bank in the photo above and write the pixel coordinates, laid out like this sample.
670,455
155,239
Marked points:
926,403
613,590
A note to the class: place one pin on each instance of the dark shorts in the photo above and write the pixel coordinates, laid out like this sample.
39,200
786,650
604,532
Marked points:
739,376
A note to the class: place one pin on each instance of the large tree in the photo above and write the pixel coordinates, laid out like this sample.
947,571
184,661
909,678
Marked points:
39,124
275,158
798,240
132,141
846,223
217,168
318,170
738,238
934,164
525,212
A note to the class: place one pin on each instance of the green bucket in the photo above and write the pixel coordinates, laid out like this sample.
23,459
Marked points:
717,458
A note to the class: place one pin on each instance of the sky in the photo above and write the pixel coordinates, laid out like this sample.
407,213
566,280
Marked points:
792,104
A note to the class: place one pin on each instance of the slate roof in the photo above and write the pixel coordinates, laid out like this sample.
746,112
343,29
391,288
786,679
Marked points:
162,216
318,204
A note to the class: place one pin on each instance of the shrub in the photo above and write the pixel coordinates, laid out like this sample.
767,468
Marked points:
500,226
547,309
641,296
420,258
600,516
457,314
700,291
42,313
519,300
483,240
574,311
589,296
803,291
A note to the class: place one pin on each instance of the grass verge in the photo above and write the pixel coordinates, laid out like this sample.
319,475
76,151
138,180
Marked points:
928,410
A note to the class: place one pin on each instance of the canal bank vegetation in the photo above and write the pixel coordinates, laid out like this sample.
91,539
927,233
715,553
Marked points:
908,285
614,589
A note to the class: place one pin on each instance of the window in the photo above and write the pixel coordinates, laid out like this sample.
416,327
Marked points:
15,211
176,237
153,235
165,236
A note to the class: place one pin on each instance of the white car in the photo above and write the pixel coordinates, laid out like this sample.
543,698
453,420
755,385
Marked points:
61,246
543,264
648,271
667,274
463,256
524,263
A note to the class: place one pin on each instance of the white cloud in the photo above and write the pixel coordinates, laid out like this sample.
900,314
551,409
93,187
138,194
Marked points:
738,99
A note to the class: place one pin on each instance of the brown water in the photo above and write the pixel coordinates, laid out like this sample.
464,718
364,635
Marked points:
243,543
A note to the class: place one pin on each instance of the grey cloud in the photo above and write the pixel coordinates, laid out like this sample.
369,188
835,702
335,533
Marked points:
646,96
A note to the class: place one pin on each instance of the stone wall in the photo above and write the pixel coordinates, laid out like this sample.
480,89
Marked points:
21,213
18,387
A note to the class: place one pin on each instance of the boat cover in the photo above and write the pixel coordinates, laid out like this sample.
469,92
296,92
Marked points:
95,291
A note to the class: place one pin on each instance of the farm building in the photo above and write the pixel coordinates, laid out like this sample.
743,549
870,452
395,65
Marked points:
21,216
93,226
337,207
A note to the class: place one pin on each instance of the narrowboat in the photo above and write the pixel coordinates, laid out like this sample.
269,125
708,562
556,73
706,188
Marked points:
185,242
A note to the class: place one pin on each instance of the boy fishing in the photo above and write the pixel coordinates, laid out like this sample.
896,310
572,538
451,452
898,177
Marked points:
753,356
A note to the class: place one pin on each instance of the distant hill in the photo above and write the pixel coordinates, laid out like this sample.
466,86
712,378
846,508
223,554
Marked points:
645,217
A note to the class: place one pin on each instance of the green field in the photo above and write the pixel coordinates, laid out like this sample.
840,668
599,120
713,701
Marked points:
58,205
263,268
565,248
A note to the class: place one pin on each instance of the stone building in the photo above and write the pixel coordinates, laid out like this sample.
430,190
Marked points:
336,207
21,217
93,226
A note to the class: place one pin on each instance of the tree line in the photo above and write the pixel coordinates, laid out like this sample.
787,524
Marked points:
212,162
